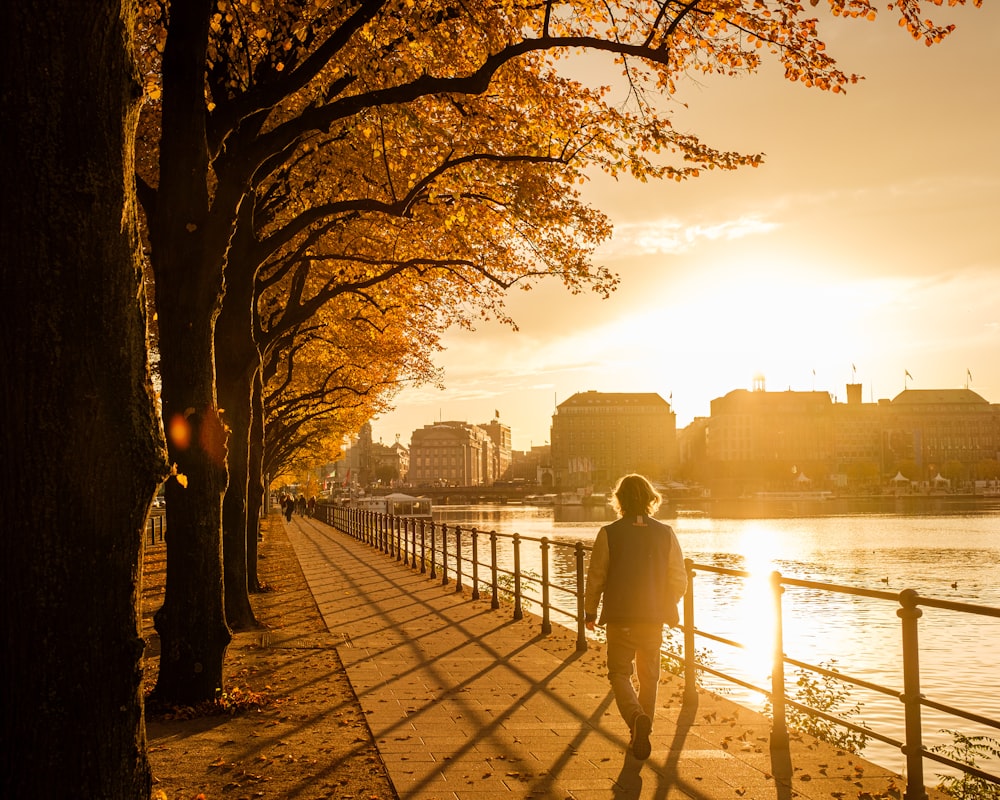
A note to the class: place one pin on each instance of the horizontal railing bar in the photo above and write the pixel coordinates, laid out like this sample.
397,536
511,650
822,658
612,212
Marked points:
951,605
730,678
972,717
876,594
960,765
842,676
815,712
736,573
716,638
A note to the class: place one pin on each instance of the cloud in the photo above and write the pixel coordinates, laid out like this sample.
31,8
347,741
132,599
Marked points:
672,236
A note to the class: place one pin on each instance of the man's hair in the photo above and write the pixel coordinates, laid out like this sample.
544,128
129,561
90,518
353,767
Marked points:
635,495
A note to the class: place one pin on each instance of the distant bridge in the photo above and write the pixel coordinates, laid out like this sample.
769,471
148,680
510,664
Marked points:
470,495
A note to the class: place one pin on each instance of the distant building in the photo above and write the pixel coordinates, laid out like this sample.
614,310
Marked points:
359,457
762,441
597,437
941,430
452,454
532,466
369,463
691,450
390,463
499,434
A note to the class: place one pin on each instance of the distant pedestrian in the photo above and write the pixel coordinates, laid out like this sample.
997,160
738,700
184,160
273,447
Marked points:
311,506
289,508
637,567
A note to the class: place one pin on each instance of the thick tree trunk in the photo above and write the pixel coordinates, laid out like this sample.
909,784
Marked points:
192,622
188,253
78,426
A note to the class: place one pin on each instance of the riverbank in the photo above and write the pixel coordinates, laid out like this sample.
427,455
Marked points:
804,505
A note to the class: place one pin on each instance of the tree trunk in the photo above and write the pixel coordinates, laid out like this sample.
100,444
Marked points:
188,253
192,622
235,396
236,363
79,432
256,487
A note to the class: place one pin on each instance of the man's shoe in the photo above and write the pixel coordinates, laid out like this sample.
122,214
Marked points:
640,745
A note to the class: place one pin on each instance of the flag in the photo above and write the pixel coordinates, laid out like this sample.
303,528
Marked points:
908,375
347,479
497,412
969,373
854,368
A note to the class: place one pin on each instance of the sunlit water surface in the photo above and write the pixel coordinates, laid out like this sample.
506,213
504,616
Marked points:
947,557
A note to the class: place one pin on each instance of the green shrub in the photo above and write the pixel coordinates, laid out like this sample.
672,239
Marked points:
830,695
965,750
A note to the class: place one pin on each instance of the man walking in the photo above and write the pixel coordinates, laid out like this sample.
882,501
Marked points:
637,566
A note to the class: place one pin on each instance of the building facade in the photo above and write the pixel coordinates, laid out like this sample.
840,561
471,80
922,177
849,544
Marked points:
390,463
499,434
532,466
777,441
597,437
451,454
953,432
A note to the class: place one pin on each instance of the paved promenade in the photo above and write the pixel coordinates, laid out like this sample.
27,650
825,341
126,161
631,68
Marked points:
465,703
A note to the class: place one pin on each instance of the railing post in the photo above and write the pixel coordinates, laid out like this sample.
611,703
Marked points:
495,601
690,670
475,564
433,550
400,540
423,549
518,613
581,613
458,558
911,697
444,554
779,727
546,623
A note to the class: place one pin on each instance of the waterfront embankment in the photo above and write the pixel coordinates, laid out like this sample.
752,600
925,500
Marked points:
464,702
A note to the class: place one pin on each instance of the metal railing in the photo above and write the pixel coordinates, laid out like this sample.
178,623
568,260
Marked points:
156,527
452,555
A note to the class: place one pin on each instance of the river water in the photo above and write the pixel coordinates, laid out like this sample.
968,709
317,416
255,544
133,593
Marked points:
953,557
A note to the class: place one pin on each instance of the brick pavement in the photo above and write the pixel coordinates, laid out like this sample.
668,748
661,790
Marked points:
465,703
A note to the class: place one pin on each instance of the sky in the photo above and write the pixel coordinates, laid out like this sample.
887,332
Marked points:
866,247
